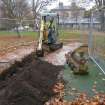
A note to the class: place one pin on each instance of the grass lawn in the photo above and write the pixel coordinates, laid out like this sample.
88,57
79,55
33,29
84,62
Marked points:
7,33
63,34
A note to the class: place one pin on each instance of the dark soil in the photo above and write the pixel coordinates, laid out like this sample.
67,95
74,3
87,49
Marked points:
28,82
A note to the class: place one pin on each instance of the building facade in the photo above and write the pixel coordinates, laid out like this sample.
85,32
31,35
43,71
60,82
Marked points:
69,13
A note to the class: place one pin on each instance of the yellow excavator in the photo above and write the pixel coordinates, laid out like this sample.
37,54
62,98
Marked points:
48,34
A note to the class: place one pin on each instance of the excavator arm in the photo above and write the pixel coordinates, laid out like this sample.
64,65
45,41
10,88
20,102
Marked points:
39,50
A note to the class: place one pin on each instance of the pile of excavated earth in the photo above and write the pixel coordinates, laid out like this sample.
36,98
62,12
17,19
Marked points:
28,82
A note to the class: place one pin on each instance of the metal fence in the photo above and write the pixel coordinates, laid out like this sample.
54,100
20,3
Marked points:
76,25
15,33
97,38
7,24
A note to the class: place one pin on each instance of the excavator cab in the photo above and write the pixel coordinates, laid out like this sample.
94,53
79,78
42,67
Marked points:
48,34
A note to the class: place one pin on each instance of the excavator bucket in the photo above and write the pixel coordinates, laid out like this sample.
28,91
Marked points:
39,53
56,46
48,48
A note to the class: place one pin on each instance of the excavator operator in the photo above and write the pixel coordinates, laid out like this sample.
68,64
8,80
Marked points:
51,32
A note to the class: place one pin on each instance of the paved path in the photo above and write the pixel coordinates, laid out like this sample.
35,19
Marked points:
17,55
58,57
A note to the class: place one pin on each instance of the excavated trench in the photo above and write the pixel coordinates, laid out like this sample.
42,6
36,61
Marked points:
28,82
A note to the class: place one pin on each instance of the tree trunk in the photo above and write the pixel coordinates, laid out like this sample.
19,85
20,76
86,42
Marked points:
35,19
102,18
76,18
17,30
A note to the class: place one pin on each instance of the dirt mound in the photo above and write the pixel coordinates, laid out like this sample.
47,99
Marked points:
28,83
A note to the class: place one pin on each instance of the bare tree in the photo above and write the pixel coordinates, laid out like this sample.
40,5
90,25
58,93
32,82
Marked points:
101,5
16,9
76,13
38,5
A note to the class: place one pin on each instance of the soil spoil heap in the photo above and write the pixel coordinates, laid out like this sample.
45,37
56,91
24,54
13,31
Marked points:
28,82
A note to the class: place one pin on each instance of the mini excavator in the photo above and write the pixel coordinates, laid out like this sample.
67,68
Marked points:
48,34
